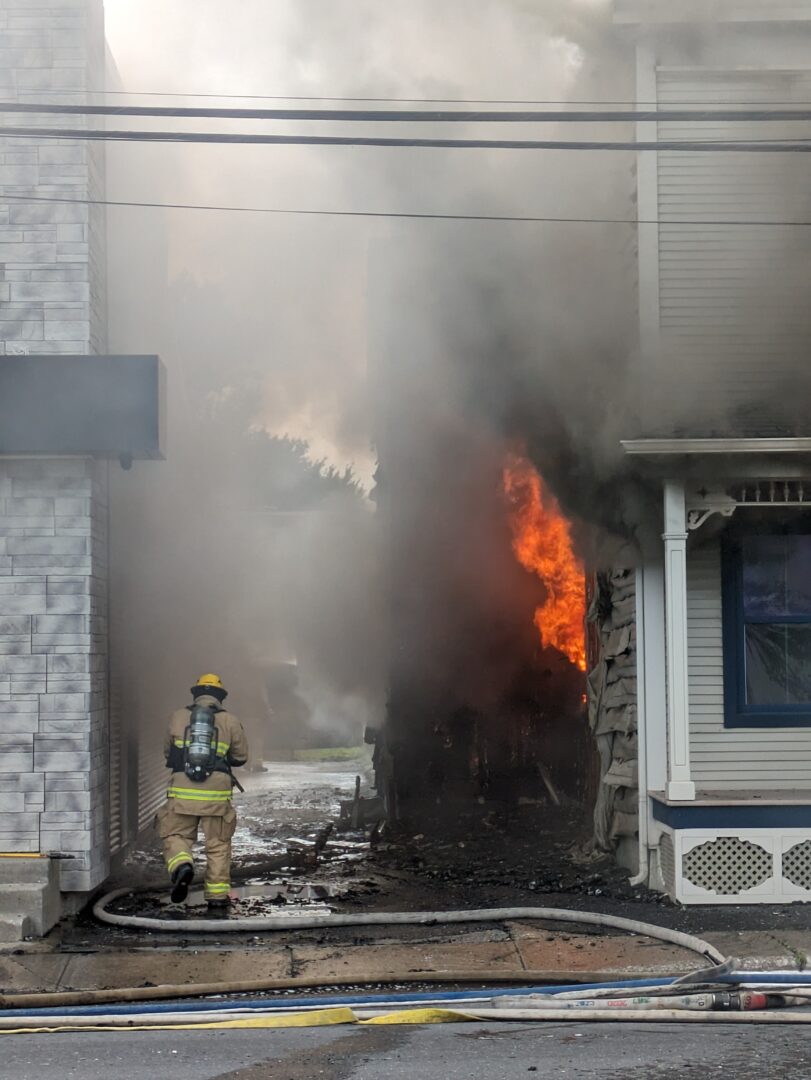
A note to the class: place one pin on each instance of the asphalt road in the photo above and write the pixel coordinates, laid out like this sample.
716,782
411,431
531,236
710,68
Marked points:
446,1052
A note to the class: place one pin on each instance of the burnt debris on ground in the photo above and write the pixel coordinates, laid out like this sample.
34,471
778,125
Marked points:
531,855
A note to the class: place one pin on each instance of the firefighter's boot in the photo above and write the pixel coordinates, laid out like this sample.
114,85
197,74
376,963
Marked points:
181,879
219,908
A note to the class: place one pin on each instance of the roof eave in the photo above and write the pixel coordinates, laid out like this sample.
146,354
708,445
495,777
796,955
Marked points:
658,448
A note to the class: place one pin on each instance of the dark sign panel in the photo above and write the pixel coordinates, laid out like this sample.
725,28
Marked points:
102,405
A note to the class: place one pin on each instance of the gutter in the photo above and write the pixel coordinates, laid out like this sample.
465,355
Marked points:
662,447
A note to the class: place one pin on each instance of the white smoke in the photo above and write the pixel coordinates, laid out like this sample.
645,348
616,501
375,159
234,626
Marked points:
299,308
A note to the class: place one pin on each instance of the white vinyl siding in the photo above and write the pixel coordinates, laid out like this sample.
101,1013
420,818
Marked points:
730,296
116,771
152,778
730,758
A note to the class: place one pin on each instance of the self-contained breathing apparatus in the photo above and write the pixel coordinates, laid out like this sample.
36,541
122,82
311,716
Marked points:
199,756
200,744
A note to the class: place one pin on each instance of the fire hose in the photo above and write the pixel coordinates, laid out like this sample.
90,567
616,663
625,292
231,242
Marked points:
712,995
401,918
757,1003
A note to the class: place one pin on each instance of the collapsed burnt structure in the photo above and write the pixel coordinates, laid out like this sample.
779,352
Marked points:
529,746
484,711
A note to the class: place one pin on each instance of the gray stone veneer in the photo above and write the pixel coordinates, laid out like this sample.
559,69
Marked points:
54,743
54,740
52,262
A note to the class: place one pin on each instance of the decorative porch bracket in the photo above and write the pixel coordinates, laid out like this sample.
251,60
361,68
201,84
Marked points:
703,503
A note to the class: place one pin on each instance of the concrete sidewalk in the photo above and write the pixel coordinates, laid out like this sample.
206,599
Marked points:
511,947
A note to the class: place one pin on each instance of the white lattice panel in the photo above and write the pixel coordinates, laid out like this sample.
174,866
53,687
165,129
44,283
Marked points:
797,865
730,866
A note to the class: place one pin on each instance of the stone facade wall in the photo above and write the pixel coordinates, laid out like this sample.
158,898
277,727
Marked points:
54,738
54,749
52,274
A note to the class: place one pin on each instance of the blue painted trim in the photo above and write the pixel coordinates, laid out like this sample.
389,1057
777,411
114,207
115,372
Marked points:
750,816
737,714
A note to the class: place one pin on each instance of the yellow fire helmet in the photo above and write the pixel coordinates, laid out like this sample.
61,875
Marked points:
210,682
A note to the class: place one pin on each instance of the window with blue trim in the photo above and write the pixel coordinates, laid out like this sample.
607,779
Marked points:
767,630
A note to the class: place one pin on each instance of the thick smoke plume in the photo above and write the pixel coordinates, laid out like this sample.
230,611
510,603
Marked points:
439,345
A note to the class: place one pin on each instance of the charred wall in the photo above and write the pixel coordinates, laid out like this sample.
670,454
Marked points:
613,711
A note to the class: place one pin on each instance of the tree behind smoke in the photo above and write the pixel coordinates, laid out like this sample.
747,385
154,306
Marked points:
470,335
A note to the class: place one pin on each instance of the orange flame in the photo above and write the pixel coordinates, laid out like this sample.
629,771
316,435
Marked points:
542,544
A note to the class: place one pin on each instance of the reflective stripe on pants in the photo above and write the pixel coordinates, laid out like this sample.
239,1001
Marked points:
173,861
179,833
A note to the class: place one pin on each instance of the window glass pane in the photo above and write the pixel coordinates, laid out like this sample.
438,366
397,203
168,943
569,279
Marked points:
776,576
778,664
764,576
798,575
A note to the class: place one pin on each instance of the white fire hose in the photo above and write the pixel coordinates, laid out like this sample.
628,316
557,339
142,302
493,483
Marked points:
400,918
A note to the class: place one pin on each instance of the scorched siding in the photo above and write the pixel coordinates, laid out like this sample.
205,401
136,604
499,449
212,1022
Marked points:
729,758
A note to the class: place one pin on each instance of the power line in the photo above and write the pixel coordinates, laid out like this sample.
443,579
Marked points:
405,215
72,91
249,139
419,115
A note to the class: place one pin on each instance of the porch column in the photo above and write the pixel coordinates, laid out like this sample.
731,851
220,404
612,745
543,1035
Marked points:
679,783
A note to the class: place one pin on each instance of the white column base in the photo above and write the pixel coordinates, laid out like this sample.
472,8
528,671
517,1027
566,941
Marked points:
681,790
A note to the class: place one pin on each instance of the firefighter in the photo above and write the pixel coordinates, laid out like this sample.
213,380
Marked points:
202,744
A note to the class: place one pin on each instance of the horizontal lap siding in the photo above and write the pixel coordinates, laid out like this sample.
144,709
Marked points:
732,314
152,778
729,758
729,295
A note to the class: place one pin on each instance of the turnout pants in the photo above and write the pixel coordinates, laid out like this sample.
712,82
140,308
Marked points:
179,833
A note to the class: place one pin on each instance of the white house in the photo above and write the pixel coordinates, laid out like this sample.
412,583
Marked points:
723,598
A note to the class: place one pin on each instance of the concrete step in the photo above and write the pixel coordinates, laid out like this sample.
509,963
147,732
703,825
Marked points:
26,870
38,903
30,889
15,928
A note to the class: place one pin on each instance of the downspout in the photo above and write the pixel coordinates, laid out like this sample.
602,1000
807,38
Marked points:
641,877
648,258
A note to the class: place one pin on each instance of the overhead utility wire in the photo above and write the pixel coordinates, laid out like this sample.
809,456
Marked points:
451,116
68,91
415,215
247,139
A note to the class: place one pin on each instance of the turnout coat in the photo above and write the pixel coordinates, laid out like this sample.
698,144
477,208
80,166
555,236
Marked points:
210,797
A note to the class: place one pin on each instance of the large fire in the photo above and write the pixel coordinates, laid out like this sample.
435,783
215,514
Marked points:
542,543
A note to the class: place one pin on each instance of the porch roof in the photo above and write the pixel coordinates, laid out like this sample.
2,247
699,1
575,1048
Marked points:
695,407
670,447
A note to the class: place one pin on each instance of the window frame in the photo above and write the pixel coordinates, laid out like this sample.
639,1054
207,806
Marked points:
737,713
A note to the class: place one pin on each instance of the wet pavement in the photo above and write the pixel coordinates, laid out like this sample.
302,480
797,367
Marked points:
530,855
285,806
288,854
586,1051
